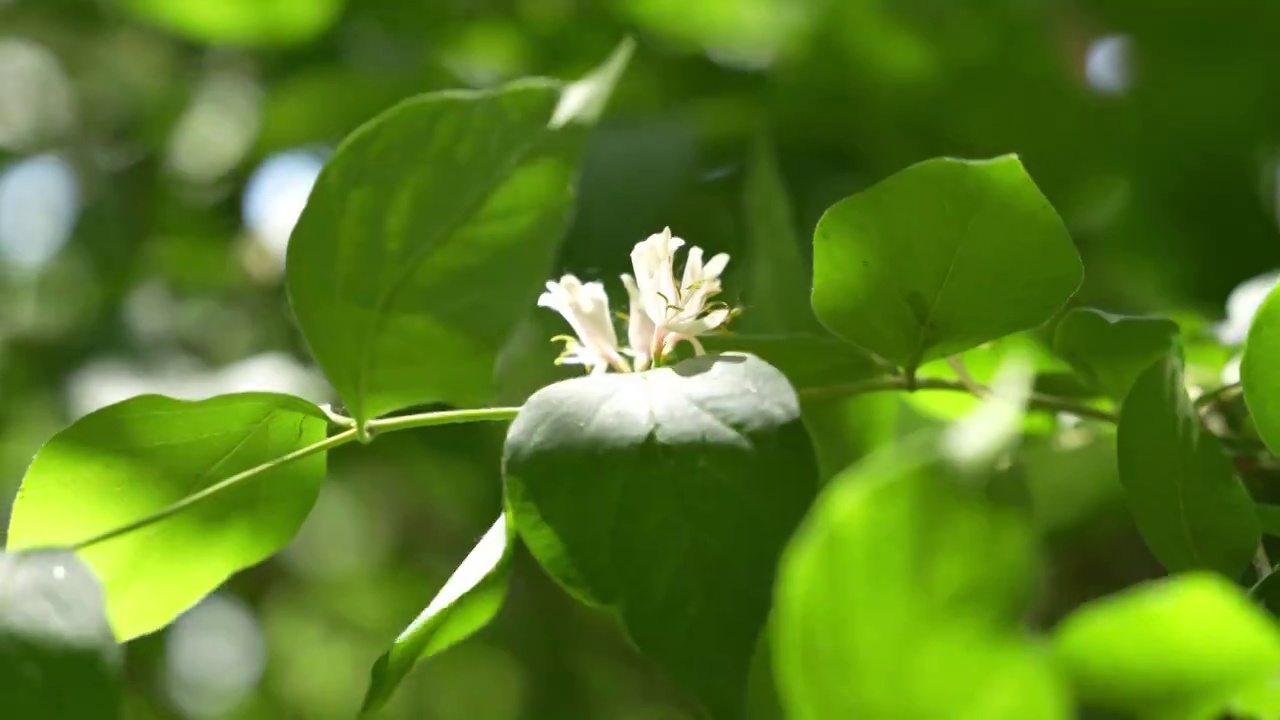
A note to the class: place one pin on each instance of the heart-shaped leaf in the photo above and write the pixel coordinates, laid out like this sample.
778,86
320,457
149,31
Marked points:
129,460
940,258
667,496
428,234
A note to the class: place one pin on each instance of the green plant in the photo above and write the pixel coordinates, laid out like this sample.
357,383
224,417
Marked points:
701,499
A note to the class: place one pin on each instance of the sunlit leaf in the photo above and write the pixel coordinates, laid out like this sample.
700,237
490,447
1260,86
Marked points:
1188,642
1192,510
900,597
132,459
468,601
429,232
58,660
240,22
940,258
667,497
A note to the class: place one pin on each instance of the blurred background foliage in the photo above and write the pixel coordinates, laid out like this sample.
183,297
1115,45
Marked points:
154,155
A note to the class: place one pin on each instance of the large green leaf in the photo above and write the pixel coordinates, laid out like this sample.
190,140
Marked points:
940,258
468,601
240,22
1192,511
132,459
1111,351
58,660
667,496
428,234
1258,371
900,597
1185,643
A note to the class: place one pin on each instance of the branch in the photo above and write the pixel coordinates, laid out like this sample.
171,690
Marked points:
1038,401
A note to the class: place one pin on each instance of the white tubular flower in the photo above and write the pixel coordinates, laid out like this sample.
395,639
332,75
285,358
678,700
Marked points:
586,308
640,328
674,312
653,260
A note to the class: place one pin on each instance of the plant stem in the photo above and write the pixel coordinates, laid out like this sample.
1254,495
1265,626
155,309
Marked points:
1261,563
1038,401
373,427
1213,396
444,417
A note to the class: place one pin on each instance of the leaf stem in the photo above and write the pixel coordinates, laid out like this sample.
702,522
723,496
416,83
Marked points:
1261,563
1038,401
1213,396
444,417
217,488
373,427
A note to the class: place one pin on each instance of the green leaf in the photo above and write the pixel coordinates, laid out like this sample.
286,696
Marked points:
1111,351
239,22
900,597
667,496
58,660
940,258
778,283
135,458
812,363
1192,511
1258,373
468,601
1179,643
1269,519
428,234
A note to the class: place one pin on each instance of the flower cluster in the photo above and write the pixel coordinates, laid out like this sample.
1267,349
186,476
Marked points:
663,312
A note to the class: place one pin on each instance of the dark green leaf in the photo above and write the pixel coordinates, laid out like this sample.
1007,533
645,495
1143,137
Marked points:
129,460
1111,351
1258,371
1269,519
779,280
1192,511
240,22
940,258
467,602
1188,642
58,660
667,496
427,236
900,597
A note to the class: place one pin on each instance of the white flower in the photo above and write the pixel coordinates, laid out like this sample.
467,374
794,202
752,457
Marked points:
640,328
673,312
586,308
